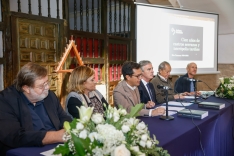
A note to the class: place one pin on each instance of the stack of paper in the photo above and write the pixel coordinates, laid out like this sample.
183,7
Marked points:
181,104
50,153
172,110
190,97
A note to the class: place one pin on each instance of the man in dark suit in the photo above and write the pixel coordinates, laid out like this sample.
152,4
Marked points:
30,114
146,88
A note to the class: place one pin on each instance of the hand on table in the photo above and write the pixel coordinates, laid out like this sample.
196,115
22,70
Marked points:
150,104
53,137
192,93
158,111
178,96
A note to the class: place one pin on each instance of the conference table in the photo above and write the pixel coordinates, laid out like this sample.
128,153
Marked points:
211,136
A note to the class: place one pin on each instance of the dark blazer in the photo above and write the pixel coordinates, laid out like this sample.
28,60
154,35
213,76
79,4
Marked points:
182,85
16,121
144,95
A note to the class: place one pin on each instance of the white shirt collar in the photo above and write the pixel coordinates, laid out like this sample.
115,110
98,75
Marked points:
132,88
163,78
144,82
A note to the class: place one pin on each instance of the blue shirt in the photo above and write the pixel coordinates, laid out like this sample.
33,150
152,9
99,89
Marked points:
40,118
191,86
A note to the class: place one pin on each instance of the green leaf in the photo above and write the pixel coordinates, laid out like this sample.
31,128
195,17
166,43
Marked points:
120,107
80,145
73,123
135,110
62,149
67,126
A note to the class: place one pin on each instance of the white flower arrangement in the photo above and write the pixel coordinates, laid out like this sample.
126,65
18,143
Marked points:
226,88
114,134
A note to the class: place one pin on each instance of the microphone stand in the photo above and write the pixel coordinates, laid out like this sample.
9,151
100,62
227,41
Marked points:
167,117
195,101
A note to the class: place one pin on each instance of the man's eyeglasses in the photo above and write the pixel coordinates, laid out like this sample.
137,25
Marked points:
43,86
137,76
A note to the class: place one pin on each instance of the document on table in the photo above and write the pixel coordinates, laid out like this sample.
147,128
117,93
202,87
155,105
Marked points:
172,110
50,152
190,97
181,104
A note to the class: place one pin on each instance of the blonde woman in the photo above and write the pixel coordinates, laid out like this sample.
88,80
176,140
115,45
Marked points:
82,91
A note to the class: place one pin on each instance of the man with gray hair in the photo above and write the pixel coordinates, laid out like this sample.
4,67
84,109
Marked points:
146,89
30,114
162,79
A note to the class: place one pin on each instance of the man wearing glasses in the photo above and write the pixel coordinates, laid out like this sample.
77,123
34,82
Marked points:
126,92
30,114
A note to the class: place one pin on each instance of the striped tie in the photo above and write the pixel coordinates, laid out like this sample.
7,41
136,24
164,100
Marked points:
150,93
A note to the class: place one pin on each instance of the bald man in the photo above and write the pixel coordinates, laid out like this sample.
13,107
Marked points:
184,86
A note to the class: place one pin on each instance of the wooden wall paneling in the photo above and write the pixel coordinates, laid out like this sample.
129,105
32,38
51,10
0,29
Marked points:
7,52
37,39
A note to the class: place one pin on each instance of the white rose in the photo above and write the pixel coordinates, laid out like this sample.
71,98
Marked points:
83,134
144,137
132,122
93,135
79,126
97,118
141,154
125,128
148,144
135,149
142,143
109,115
121,151
141,126
123,112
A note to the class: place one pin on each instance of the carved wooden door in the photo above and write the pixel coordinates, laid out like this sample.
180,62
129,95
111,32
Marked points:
36,41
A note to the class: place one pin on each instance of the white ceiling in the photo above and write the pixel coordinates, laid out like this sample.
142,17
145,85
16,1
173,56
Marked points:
225,9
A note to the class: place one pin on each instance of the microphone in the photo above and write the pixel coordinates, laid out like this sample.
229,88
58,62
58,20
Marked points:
195,89
165,90
188,79
163,87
